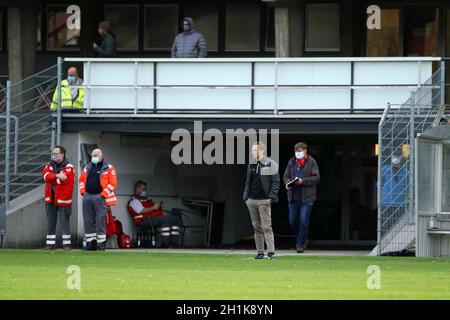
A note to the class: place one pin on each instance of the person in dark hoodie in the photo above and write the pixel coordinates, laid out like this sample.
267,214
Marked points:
106,45
189,43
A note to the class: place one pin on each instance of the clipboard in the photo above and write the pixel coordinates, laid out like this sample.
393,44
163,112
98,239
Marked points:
291,183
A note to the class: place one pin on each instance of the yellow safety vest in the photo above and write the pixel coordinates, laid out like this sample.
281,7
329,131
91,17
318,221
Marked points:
66,97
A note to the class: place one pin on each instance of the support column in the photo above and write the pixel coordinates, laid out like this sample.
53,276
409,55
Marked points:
282,32
289,27
29,31
15,60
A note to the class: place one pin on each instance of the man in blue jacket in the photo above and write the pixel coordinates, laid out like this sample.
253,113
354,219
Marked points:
189,43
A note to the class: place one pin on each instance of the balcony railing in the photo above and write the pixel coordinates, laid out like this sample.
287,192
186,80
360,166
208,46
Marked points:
250,85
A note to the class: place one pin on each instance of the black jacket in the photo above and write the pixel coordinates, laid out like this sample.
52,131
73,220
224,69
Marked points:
270,179
107,46
310,180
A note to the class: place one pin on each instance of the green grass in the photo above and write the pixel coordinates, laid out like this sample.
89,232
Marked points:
37,274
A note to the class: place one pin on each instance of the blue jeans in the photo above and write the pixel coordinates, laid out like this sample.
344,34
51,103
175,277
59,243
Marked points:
299,215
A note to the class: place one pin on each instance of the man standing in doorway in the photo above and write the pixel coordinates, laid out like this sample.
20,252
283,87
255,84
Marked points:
97,183
59,179
261,189
106,46
301,178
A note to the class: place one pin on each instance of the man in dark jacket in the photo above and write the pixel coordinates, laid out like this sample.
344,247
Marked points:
261,188
301,178
106,46
189,43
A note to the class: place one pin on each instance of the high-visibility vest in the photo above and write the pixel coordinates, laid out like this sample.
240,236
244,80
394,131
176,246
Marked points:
67,101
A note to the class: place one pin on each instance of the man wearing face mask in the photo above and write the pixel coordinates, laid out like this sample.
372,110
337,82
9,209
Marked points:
71,98
106,45
189,43
303,169
97,183
59,179
148,214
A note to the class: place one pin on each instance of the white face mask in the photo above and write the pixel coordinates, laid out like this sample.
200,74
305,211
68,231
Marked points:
299,154
143,193
395,160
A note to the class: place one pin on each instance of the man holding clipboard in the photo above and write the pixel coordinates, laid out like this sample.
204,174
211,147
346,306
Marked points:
301,178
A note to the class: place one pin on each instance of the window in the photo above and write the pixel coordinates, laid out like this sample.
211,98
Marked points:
124,23
206,20
1,29
322,27
270,29
161,26
385,42
421,31
58,35
242,27
448,34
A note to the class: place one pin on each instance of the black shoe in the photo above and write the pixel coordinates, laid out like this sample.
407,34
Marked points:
91,246
50,247
271,255
259,256
101,246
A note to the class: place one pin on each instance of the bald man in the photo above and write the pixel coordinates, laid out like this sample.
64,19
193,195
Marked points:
97,184
71,96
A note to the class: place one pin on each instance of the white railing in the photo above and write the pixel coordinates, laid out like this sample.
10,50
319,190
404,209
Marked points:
250,85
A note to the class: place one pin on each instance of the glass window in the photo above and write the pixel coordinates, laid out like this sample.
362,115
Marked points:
385,42
426,164
161,26
1,28
206,20
39,29
448,34
242,27
58,35
322,27
421,31
270,29
124,22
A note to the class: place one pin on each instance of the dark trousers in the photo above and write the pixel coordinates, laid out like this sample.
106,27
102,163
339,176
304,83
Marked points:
52,220
94,217
166,226
299,216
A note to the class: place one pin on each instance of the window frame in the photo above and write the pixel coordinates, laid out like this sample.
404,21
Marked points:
45,31
157,49
324,51
138,7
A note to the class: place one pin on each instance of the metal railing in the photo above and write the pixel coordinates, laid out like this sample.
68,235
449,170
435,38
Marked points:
397,131
25,147
249,85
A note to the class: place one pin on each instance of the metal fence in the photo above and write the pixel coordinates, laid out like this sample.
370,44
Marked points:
398,128
27,131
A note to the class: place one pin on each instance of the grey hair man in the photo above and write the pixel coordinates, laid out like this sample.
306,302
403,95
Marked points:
261,189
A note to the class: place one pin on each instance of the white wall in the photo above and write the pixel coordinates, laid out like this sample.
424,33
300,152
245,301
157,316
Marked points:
166,180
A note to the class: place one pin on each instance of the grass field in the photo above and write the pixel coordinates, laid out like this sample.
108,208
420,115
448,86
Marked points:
36,274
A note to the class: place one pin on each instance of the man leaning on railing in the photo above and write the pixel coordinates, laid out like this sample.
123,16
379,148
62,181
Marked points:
71,96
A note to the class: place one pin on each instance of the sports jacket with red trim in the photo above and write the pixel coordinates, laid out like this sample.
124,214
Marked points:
57,191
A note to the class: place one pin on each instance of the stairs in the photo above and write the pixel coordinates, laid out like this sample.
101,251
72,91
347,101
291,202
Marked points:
30,150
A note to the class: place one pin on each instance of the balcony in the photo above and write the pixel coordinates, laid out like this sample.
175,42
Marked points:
255,87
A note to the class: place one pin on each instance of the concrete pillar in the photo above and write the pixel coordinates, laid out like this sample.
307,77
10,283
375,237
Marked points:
15,61
282,32
289,27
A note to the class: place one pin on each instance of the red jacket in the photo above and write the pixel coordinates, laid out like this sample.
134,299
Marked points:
62,189
145,203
